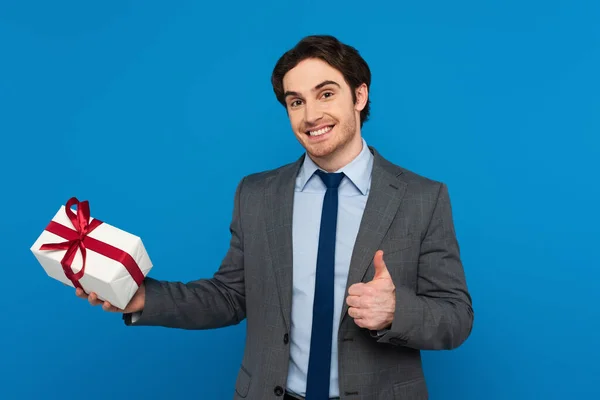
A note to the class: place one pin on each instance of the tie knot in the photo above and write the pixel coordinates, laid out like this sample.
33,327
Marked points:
331,180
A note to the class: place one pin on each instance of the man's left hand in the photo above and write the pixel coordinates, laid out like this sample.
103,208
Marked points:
372,304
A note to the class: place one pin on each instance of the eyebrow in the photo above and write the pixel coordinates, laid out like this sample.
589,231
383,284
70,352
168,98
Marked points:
319,86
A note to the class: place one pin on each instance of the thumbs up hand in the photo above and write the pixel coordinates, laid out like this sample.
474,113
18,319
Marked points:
372,304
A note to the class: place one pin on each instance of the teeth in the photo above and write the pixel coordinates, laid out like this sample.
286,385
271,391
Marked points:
320,131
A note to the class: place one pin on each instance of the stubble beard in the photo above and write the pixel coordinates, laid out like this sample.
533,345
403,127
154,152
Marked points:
342,140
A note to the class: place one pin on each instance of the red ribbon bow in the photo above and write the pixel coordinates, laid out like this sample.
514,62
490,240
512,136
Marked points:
79,239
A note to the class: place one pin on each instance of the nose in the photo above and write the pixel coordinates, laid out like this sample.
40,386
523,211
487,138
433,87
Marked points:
312,113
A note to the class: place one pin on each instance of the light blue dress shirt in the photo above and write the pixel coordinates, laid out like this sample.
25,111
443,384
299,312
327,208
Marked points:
308,202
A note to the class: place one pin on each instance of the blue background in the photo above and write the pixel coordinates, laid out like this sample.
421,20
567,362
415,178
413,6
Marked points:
154,112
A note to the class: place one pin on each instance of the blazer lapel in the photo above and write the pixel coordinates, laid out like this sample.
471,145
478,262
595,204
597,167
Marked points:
384,200
279,200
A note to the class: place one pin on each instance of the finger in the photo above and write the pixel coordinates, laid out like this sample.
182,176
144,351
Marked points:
80,293
354,312
93,299
106,306
360,323
357,289
353,301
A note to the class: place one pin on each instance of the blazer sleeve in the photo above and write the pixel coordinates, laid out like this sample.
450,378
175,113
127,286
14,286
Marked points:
204,303
439,316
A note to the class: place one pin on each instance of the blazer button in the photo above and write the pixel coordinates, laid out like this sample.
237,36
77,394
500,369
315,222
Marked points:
286,338
278,391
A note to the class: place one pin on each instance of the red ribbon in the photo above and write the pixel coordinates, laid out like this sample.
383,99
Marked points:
79,239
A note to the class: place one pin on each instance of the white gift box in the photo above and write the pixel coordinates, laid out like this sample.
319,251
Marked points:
108,278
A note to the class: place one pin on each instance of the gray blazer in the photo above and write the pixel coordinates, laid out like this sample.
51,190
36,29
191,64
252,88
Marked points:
407,216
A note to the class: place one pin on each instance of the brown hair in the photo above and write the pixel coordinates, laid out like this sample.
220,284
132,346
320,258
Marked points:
340,56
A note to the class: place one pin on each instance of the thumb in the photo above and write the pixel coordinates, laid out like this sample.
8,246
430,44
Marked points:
381,271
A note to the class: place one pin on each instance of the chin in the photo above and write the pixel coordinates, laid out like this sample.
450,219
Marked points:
320,151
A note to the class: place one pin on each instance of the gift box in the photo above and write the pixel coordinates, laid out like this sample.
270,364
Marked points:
81,251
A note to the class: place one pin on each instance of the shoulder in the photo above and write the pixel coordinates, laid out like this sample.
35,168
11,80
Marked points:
258,181
415,183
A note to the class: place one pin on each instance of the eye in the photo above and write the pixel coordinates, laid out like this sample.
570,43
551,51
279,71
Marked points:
327,94
295,103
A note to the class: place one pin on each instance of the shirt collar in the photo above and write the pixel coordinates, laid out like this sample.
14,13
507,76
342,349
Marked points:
358,171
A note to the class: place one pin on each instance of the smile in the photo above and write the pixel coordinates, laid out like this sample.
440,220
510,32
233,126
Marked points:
320,131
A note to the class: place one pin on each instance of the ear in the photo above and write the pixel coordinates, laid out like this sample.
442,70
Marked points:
362,95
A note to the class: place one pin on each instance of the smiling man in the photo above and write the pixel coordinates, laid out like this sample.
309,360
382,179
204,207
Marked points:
323,116
345,265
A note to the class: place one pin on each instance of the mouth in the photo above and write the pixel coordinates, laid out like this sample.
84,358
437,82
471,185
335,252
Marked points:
319,130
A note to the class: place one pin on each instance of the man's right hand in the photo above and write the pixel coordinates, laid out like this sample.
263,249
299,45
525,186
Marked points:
135,304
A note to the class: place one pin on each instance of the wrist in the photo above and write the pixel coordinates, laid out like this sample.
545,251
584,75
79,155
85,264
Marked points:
138,301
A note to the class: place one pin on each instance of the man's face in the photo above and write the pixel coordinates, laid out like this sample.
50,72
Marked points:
322,113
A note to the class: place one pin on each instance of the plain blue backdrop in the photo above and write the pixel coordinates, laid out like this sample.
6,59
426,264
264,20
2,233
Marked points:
154,112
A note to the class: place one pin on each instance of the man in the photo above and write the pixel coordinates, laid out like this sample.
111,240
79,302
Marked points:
344,265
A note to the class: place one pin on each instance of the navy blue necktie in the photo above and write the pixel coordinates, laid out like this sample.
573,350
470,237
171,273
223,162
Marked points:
317,385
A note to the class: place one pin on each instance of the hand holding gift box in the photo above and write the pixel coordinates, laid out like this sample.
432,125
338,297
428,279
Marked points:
91,255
